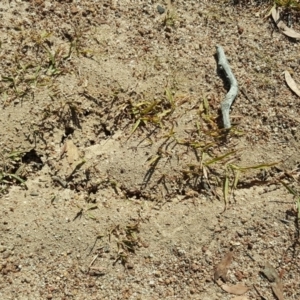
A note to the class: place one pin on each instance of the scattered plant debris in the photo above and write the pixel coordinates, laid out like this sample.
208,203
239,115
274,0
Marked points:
222,268
238,289
273,277
291,83
282,26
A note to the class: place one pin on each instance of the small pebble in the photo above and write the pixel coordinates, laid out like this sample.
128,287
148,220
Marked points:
152,283
157,273
2,249
160,9
130,266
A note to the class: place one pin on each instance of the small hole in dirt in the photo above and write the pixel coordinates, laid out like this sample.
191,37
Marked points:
181,192
86,113
92,142
107,132
68,36
132,193
32,157
69,130
93,189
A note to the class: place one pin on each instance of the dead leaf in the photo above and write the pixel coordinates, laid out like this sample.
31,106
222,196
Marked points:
291,83
282,26
270,272
239,275
222,268
219,282
259,293
239,298
291,33
72,152
238,289
277,288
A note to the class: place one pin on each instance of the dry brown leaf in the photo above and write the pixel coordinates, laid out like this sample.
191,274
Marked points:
281,25
222,268
72,152
291,83
277,288
239,298
258,292
63,150
238,289
270,272
272,275
219,282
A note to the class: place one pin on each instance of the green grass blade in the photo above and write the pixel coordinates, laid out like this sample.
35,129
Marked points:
15,155
154,160
291,191
236,178
226,189
164,113
136,125
9,79
256,167
170,98
219,158
150,108
22,181
206,107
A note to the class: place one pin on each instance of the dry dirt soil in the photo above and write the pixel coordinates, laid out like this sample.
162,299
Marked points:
117,179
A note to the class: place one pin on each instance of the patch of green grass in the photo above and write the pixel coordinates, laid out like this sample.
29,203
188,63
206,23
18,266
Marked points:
124,237
170,18
288,4
86,212
36,59
11,170
217,169
151,111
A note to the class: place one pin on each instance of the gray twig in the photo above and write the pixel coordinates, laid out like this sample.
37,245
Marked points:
233,91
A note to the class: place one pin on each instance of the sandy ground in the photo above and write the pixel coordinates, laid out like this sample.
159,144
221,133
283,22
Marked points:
117,179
